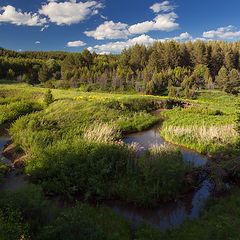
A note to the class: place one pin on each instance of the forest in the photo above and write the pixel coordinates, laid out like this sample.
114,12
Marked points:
154,69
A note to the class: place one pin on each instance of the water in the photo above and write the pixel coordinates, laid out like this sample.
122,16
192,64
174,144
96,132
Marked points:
170,214
13,180
146,139
3,141
166,215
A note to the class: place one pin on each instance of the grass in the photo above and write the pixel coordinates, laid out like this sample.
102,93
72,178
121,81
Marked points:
27,213
200,128
73,149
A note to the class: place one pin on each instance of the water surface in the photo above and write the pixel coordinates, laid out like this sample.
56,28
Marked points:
147,138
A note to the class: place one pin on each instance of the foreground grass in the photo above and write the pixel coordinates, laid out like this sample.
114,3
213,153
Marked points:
27,214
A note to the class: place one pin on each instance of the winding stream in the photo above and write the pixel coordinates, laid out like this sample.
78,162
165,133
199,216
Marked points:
169,214
166,215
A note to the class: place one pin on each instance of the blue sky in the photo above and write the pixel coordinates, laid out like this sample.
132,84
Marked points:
109,25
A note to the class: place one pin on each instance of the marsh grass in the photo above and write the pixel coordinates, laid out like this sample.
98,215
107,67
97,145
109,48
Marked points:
202,129
101,132
208,134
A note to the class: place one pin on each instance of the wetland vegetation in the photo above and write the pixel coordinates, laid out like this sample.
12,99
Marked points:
68,142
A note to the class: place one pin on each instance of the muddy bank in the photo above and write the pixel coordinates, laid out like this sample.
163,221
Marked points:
16,157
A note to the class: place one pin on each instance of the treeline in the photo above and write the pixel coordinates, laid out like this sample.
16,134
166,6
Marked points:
164,65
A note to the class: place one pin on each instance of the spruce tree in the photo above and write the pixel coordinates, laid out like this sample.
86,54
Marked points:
48,97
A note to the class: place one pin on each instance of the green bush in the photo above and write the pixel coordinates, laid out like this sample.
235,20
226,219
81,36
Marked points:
84,222
29,206
48,97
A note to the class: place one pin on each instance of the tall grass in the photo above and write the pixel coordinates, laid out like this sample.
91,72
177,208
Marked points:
202,129
219,135
101,132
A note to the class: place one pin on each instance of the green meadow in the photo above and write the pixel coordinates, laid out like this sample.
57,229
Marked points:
74,150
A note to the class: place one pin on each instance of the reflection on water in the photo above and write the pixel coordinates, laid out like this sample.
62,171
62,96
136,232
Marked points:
169,214
3,141
166,215
146,139
13,180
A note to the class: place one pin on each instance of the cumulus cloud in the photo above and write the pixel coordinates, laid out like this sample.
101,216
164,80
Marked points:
44,27
162,7
37,42
162,22
11,15
119,46
182,36
76,44
109,30
223,33
143,39
90,49
69,12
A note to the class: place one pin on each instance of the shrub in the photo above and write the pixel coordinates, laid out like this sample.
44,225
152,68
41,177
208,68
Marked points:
48,97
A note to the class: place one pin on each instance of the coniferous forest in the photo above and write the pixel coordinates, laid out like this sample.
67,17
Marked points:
153,69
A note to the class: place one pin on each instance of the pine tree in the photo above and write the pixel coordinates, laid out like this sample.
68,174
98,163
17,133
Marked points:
48,97
222,78
233,81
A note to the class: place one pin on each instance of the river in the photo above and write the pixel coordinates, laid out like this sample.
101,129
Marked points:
166,215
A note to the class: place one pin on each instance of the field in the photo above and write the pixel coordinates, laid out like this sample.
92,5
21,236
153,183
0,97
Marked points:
74,150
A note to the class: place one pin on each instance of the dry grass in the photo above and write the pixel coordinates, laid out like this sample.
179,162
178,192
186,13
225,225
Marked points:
213,134
101,132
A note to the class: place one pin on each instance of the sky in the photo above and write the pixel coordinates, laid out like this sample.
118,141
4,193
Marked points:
109,26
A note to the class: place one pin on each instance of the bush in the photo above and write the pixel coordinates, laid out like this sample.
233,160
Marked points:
84,222
48,97
28,204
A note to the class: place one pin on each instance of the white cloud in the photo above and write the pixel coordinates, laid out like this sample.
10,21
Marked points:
37,42
109,30
223,33
90,49
119,46
104,53
44,27
69,12
143,39
162,7
162,22
183,36
11,15
76,44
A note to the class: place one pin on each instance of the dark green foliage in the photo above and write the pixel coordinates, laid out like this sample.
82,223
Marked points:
145,69
13,225
189,93
173,92
24,211
48,97
238,123
4,170
219,221
84,222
